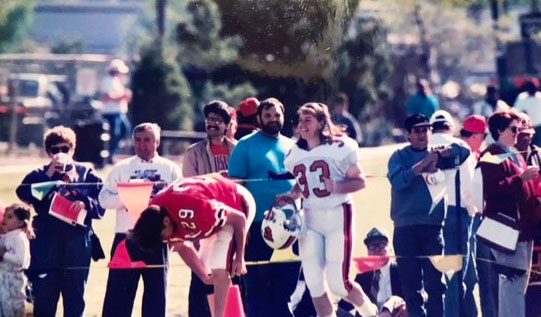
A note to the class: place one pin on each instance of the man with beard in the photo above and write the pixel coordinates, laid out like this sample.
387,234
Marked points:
210,155
259,160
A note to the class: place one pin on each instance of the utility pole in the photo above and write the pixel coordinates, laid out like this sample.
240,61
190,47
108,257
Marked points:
13,92
161,6
501,68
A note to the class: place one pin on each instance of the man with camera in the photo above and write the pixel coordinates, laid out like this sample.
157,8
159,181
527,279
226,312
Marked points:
457,228
417,210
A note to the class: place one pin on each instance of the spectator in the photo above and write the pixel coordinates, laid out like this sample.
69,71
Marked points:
417,220
531,154
423,102
115,104
492,103
210,155
384,282
146,165
14,258
509,190
58,244
474,131
529,101
457,240
342,117
261,156
247,115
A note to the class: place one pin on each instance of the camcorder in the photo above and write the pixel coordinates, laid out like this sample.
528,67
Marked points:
450,156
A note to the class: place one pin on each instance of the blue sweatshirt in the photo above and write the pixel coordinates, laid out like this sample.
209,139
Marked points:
410,198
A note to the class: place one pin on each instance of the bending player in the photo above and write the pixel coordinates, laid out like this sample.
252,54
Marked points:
209,208
327,169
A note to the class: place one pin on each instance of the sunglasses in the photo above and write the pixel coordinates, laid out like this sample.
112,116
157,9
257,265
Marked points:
376,246
513,129
58,149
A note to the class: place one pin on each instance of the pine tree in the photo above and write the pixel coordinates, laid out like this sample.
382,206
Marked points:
161,93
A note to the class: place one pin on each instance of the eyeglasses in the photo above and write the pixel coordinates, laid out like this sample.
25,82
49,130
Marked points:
377,246
214,120
58,149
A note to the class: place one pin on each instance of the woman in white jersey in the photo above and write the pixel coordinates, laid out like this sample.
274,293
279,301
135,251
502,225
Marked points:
326,166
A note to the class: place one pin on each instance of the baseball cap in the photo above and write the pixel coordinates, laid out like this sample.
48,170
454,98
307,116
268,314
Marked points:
526,125
416,120
376,234
475,124
441,116
248,106
119,66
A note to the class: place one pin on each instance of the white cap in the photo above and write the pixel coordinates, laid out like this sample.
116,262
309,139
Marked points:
441,116
119,66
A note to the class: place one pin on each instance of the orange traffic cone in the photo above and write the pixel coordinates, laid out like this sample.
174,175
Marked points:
234,307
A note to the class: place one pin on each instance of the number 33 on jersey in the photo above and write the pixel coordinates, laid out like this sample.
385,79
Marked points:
327,160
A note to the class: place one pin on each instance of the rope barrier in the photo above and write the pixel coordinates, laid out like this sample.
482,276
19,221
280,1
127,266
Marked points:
266,262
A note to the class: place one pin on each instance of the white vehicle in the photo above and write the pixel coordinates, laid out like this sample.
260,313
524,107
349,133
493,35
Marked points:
37,91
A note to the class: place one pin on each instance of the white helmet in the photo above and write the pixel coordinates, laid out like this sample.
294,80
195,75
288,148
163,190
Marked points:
282,225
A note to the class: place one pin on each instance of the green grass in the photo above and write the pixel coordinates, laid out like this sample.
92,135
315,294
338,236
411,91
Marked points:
372,209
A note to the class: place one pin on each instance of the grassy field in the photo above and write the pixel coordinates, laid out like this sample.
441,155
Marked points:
372,209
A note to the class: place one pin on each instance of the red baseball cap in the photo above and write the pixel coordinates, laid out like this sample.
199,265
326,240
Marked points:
248,106
475,124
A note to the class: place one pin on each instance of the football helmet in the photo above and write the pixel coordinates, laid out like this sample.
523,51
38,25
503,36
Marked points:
283,224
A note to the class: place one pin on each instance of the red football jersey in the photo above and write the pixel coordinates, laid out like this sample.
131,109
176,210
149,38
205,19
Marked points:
196,204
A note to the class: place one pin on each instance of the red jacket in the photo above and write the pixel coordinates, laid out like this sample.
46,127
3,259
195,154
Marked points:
505,192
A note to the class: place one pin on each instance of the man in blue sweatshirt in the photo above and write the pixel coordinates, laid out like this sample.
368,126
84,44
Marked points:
417,215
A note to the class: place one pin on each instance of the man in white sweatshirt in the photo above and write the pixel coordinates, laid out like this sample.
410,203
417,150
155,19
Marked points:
456,240
146,165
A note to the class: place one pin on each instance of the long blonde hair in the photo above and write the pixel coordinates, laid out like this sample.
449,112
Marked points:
329,132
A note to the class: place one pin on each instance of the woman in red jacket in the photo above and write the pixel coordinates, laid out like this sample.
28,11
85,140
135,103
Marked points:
509,190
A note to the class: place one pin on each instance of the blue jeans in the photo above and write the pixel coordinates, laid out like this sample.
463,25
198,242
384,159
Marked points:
512,291
488,277
466,278
122,283
119,128
411,242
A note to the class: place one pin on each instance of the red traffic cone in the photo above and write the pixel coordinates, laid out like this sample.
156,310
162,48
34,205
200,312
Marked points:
233,307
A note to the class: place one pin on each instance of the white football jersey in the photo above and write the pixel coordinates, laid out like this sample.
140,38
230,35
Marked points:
330,160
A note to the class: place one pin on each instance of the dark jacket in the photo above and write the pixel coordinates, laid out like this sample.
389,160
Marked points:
365,281
88,194
506,193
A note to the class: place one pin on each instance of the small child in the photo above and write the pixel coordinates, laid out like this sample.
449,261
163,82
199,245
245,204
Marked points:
14,258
